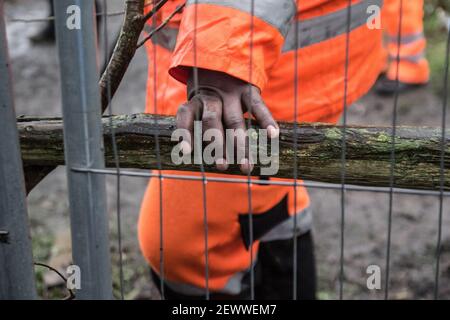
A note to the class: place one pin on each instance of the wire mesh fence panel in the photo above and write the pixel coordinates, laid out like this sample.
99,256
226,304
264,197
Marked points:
84,146
393,159
442,166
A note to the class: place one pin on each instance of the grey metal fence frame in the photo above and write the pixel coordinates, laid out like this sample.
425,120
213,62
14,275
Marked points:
16,260
83,140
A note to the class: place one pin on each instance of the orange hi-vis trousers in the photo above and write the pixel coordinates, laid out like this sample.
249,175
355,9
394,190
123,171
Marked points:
406,45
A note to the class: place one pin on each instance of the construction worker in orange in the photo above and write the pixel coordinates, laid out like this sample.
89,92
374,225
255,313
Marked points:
405,47
47,33
282,60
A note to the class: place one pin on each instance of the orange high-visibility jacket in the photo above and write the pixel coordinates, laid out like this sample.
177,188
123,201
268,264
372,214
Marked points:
222,35
413,66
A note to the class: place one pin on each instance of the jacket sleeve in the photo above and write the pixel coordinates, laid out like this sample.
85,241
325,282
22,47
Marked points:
217,35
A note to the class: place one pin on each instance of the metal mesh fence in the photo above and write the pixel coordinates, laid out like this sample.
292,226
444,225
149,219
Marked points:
86,165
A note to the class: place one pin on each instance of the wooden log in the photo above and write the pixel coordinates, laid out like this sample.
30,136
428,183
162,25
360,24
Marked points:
368,150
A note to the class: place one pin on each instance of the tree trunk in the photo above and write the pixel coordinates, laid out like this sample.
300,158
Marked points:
368,151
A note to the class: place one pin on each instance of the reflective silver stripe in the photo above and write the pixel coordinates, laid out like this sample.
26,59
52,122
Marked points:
185,288
407,39
277,13
233,286
166,37
414,58
315,30
285,230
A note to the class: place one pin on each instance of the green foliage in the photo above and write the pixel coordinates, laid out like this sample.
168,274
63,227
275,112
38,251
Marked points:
437,34
42,242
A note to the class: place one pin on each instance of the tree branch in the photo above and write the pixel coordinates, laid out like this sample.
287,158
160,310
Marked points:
158,6
124,51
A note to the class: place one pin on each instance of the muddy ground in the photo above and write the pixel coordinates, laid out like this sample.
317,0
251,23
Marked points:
415,218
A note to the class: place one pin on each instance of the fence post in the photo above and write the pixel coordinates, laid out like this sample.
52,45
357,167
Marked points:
83,143
16,258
